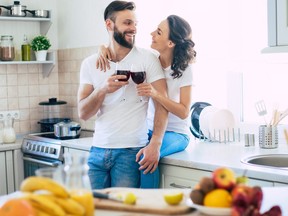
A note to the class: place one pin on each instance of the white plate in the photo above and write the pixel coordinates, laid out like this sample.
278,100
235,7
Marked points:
209,210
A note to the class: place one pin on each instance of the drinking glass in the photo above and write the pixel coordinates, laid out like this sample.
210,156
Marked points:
123,69
138,75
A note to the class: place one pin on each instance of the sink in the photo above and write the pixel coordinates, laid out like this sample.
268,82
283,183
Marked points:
268,160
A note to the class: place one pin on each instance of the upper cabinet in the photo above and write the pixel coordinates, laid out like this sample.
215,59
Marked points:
277,26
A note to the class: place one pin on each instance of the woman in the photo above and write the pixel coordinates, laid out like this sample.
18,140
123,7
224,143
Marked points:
172,41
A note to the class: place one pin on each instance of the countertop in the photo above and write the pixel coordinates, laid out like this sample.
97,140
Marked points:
204,156
272,196
210,155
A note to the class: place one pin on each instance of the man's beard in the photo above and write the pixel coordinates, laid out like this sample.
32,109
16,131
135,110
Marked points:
119,37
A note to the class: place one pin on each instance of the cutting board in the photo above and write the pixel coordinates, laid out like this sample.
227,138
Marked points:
148,201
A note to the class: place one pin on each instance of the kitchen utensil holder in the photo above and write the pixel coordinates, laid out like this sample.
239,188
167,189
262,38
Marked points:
268,136
222,136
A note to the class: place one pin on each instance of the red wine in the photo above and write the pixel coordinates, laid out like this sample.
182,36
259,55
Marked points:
138,77
123,72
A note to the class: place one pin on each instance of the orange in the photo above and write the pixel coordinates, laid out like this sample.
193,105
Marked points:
17,207
218,198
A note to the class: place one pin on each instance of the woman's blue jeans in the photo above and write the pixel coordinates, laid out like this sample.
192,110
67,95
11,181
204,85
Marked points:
113,168
172,143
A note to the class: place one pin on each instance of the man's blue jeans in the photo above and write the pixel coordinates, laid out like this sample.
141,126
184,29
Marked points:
172,143
113,168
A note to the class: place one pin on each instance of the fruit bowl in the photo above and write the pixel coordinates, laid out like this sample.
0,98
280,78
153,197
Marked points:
209,210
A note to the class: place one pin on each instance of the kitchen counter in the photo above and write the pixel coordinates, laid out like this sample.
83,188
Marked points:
272,196
11,146
203,156
210,155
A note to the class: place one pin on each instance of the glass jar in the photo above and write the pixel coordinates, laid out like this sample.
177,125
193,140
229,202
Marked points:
9,135
7,50
77,180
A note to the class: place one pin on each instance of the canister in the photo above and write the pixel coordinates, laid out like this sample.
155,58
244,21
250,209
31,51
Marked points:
7,50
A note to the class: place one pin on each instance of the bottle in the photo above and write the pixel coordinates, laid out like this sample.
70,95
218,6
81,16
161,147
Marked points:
7,50
77,180
26,50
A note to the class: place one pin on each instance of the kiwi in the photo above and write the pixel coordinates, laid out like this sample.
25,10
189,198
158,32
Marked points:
206,185
197,196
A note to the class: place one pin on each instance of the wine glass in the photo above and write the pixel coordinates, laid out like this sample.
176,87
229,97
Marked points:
138,75
123,69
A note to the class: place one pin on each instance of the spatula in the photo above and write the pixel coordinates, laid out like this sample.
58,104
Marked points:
261,109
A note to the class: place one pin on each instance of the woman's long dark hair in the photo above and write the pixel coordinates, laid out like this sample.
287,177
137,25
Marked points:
180,34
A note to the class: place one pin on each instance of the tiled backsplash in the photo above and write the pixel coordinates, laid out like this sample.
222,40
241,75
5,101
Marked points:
23,86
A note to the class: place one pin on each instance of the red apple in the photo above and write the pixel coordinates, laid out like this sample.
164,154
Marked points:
241,196
224,178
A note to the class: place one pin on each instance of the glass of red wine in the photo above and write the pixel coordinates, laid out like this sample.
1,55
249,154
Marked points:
123,69
138,75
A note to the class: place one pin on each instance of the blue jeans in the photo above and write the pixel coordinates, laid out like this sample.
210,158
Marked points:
113,168
172,143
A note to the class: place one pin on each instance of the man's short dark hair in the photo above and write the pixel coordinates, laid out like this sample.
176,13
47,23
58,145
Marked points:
116,6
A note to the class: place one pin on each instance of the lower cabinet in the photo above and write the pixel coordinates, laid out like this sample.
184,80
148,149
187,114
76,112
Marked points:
11,171
180,177
75,151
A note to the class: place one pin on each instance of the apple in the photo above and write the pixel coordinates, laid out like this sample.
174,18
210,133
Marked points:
241,196
224,178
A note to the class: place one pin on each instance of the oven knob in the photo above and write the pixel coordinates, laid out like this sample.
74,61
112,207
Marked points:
42,148
52,150
46,149
34,147
38,148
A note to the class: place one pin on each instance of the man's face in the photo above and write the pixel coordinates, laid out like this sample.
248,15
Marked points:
125,28
119,37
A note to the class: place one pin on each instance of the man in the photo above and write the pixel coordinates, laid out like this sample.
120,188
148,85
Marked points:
120,126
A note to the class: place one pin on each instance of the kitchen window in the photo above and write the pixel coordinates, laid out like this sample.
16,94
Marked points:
230,70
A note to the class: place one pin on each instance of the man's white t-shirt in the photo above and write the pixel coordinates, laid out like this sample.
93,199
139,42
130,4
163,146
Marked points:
121,124
175,123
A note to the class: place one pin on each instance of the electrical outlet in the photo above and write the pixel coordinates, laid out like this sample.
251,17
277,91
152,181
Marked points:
9,114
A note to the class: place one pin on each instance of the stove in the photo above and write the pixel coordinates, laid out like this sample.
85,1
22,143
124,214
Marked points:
44,149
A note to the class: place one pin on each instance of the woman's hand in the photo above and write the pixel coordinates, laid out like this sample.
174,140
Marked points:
146,89
102,62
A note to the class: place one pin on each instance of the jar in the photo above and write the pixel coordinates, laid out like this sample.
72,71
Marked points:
7,50
9,135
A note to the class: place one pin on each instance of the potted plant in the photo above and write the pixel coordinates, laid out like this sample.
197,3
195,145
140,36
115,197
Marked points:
40,44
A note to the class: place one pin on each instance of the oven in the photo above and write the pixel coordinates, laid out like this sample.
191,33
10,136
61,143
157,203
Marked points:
44,150
41,151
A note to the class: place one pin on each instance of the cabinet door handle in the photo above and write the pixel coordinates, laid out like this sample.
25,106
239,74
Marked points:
179,186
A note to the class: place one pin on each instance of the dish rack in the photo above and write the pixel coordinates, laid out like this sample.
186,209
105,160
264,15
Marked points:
221,136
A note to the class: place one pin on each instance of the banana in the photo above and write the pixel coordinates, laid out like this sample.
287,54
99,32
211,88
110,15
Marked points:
69,205
41,213
44,204
34,183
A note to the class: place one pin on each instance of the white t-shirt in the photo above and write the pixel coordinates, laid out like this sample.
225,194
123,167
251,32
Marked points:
121,124
175,123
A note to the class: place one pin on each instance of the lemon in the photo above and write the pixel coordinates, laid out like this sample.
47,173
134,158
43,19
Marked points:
173,198
130,198
218,198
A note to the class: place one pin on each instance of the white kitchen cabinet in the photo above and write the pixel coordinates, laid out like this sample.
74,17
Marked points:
180,177
45,24
11,171
277,23
75,150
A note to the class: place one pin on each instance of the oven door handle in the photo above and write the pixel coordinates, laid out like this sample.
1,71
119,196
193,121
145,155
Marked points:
52,164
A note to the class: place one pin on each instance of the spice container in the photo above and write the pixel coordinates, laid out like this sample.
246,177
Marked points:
7,50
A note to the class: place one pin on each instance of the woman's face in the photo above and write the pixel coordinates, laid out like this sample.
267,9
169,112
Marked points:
160,37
